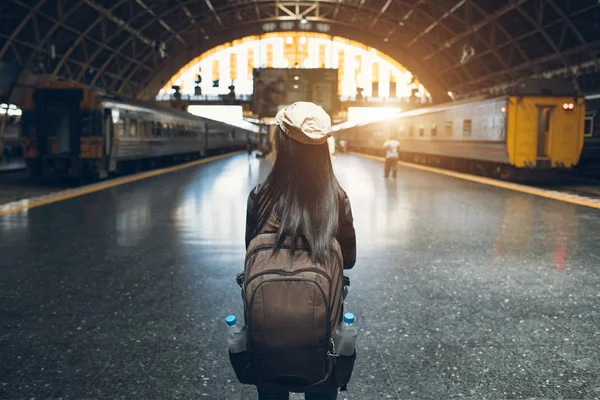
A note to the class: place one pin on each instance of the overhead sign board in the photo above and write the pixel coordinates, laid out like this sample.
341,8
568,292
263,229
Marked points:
278,87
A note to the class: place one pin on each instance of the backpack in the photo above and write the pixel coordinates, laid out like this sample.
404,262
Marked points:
292,308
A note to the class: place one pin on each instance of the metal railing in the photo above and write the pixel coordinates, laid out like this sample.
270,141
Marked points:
383,101
204,98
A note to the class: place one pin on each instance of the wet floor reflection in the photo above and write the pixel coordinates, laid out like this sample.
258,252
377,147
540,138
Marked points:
534,226
419,209
13,229
211,211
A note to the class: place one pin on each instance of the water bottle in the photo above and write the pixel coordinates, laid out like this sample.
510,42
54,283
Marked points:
236,339
346,336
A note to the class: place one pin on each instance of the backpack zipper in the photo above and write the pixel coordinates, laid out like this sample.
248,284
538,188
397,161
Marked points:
287,273
264,247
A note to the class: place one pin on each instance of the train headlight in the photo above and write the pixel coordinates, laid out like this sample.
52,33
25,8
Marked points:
568,106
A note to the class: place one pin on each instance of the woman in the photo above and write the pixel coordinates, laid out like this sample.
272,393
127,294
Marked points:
304,197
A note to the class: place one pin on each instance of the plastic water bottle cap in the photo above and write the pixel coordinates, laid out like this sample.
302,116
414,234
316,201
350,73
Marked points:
231,320
349,318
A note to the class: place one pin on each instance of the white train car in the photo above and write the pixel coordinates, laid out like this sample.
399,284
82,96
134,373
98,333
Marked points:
495,137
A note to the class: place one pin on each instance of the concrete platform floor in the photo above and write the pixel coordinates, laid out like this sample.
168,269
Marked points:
461,290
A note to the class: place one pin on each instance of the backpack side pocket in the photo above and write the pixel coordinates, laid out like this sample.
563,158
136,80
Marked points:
241,366
342,370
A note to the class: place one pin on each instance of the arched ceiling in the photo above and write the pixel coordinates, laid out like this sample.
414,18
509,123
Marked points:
134,46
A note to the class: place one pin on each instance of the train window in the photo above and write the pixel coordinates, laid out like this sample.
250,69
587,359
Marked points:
146,128
411,131
132,127
467,128
588,129
141,128
434,130
121,128
448,128
422,131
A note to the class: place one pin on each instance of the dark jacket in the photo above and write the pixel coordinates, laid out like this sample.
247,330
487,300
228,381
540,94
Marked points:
345,236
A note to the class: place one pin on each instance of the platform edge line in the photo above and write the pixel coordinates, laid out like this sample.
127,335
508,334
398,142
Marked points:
489,181
108,184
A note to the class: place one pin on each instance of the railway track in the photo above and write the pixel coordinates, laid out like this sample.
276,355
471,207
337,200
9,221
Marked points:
581,183
12,167
10,171
18,185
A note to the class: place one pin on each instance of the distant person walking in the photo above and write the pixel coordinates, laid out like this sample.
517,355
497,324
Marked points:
249,146
7,153
391,156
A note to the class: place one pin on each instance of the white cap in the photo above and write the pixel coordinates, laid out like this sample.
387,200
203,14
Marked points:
304,122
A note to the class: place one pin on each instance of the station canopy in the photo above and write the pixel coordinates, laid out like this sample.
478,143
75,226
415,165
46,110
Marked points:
134,47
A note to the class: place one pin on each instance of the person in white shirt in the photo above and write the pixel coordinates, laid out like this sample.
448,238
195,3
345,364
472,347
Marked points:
343,146
391,156
331,144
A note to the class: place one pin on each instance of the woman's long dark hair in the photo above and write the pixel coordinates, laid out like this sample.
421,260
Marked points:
302,192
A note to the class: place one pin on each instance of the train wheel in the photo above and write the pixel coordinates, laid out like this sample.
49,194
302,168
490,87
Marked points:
505,173
87,176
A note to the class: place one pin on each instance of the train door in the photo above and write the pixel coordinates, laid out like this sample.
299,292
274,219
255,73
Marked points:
58,117
543,131
108,131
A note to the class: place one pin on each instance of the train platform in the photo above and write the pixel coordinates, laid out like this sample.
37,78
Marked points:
461,289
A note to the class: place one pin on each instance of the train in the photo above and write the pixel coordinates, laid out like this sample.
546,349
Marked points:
10,142
72,130
510,136
590,155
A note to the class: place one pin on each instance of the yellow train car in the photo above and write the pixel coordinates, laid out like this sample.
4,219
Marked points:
545,131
